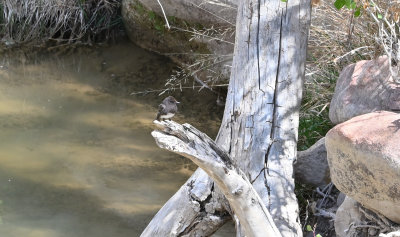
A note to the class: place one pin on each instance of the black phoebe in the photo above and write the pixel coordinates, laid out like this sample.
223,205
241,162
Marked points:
167,109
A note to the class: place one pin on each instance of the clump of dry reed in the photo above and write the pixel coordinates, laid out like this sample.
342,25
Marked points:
66,21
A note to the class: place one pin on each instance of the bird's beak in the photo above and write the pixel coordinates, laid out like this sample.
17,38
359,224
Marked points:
177,102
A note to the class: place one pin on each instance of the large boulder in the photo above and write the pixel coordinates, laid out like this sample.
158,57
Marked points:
145,26
364,87
311,166
200,11
364,161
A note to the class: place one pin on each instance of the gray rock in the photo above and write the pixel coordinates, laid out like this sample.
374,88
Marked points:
204,12
177,43
340,199
364,87
311,166
364,161
348,214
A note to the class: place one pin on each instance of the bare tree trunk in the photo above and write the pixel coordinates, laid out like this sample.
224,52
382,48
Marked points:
259,128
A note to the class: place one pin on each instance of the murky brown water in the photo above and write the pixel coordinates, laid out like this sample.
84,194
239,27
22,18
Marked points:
76,154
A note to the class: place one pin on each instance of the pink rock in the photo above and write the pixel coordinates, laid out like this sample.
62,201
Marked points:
364,87
364,160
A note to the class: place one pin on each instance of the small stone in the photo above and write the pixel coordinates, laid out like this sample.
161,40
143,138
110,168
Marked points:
372,231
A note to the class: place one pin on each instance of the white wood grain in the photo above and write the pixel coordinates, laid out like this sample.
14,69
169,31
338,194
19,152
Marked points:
260,123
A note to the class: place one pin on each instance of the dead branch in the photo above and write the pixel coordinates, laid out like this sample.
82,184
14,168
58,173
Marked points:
202,150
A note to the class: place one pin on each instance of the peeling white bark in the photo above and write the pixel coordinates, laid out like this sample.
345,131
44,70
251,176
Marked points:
259,128
185,213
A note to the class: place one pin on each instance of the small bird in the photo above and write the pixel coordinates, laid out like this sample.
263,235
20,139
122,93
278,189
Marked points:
167,109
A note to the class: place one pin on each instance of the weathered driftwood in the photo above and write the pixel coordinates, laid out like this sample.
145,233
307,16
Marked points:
202,150
195,210
259,128
391,234
265,91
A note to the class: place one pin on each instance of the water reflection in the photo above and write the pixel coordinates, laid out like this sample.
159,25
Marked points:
76,155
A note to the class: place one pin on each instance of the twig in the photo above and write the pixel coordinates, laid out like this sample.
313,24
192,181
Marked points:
201,82
174,88
324,213
221,18
385,224
325,193
306,218
203,35
367,226
351,53
165,17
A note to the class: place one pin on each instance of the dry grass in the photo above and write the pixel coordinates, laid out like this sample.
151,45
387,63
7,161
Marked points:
38,21
336,39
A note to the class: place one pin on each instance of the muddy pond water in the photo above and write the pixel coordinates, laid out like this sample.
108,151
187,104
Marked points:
76,154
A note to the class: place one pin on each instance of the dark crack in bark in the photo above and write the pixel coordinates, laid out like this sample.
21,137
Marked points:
274,112
249,27
261,171
258,46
